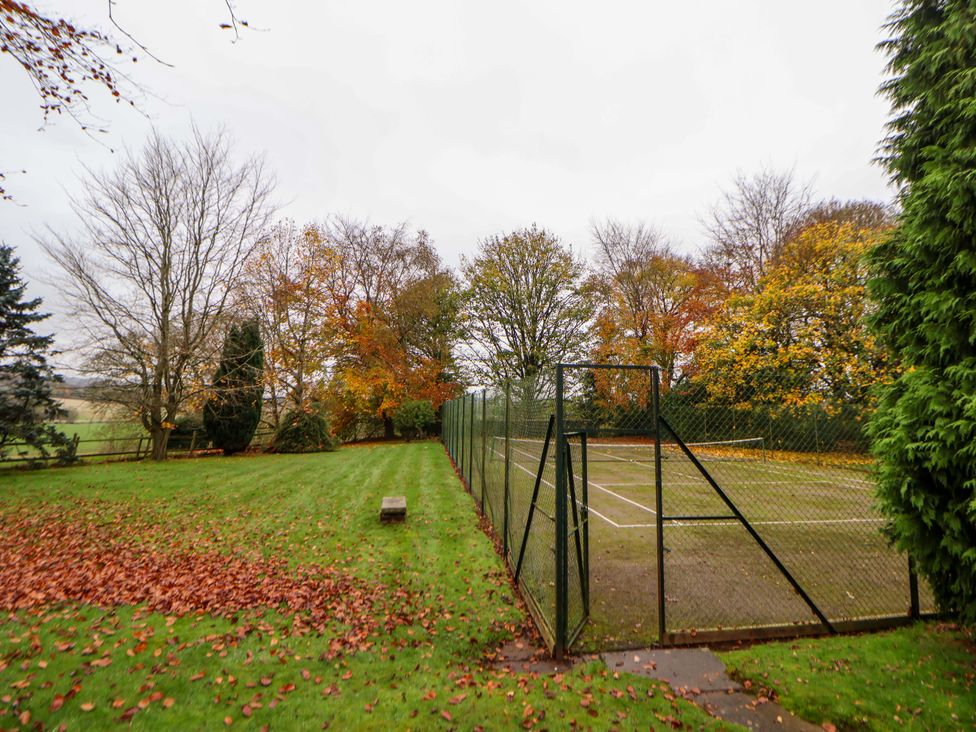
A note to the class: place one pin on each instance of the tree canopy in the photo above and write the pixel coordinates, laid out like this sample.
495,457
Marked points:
527,305
925,288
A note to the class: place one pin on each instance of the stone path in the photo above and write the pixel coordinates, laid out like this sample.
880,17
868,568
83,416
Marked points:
698,675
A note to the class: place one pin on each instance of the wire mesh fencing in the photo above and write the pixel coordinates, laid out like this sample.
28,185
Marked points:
634,512
502,444
792,458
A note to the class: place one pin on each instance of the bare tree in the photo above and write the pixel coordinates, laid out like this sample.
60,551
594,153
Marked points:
162,241
65,61
863,214
527,307
624,253
749,226
653,298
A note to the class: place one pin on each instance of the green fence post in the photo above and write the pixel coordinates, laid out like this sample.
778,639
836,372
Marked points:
658,499
471,445
462,429
484,443
915,611
508,455
562,563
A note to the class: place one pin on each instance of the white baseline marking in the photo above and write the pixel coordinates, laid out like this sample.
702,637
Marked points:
799,522
579,503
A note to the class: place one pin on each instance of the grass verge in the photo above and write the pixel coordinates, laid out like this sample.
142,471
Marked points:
918,677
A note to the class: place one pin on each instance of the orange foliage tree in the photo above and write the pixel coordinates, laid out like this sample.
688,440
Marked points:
654,304
395,309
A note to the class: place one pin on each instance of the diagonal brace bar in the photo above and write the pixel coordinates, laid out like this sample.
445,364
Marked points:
535,495
755,535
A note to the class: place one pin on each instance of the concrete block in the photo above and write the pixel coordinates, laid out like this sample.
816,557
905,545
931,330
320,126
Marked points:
393,508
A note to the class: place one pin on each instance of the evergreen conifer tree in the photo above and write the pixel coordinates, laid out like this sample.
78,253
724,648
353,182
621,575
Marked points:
233,412
925,288
26,403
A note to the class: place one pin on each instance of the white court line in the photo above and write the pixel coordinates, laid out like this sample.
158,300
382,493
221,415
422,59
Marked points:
615,495
797,472
623,498
579,503
590,449
749,484
800,522
645,484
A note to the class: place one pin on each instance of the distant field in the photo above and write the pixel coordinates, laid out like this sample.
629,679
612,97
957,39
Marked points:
82,410
94,438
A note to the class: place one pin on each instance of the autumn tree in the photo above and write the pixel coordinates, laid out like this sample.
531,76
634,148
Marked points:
527,306
925,288
395,307
653,300
27,405
749,226
233,409
286,286
802,337
161,242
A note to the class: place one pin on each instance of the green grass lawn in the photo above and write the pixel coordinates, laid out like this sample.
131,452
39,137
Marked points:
433,600
920,677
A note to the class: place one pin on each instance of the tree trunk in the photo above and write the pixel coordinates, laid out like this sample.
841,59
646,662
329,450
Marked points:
388,433
160,441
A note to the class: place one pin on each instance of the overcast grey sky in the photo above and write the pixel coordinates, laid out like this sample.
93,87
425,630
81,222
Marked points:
468,119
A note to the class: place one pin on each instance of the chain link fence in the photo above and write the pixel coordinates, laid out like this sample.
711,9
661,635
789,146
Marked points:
791,455
634,512
502,444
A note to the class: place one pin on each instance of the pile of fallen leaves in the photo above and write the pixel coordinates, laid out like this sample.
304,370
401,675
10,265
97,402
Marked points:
48,559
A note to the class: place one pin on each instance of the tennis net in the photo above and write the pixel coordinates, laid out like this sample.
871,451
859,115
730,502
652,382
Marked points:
745,449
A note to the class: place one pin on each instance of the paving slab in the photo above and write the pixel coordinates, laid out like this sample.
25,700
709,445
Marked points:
692,669
699,675
521,656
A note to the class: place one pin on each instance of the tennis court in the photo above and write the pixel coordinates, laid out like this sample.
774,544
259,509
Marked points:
770,529
817,518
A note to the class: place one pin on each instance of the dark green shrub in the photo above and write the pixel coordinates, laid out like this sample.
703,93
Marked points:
413,418
231,415
924,284
303,431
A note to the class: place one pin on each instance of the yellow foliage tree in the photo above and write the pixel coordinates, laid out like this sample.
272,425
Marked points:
801,338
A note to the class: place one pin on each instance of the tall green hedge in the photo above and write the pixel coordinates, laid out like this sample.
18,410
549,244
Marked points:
925,286
233,411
